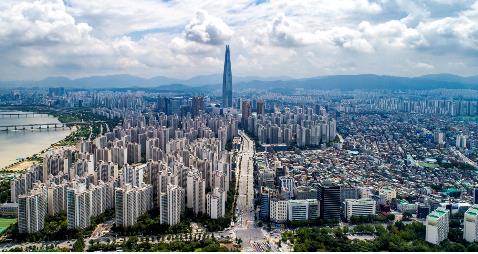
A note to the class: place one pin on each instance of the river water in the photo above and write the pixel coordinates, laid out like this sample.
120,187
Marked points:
20,144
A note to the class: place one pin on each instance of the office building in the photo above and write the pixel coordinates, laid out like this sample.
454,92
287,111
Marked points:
386,195
305,192
265,198
246,110
475,195
279,210
287,186
359,207
329,198
227,81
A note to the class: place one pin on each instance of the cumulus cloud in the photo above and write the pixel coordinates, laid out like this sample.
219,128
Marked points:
284,32
451,33
207,29
40,22
306,38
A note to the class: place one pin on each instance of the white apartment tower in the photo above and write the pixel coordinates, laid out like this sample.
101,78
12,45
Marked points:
132,202
470,230
196,193
216,203
32,210
171,205
78,207
437,226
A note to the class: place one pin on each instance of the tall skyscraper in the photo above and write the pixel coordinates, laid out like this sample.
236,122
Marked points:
227,81
197,105
246,112
329,197
260,107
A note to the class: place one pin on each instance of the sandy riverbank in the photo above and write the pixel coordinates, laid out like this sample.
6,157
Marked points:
23,165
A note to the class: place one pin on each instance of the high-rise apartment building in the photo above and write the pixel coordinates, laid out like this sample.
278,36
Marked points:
32,210
195,191
78,207
437,226
57,198
132,202
227,81
470,221
197,105
260,107
246,112
216,203
172,203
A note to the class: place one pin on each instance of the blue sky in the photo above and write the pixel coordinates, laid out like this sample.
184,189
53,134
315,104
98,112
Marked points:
181,39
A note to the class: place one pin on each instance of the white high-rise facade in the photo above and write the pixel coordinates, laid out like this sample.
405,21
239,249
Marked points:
32,210
132,202
437,226
359,207
196,193
216,203
470,221
171,205
78,207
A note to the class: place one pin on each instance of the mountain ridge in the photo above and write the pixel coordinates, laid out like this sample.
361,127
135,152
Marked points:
347,82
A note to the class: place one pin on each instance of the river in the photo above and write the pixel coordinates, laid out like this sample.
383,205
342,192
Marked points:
23,143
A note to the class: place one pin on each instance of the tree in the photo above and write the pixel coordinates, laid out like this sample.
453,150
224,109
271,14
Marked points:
472,247
391,217
406,216
79,245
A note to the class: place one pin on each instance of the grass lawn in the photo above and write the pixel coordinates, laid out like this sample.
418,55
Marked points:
5,223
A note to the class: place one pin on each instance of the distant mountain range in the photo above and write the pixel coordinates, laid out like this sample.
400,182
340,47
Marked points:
344,82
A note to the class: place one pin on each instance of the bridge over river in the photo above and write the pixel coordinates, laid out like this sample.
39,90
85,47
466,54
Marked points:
32,126
22,114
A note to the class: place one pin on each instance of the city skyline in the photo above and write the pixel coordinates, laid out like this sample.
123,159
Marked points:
270,38
348,126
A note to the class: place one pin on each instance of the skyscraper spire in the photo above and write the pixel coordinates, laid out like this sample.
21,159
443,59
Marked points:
227,81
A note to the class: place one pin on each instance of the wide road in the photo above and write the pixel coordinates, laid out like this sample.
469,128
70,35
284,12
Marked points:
245,229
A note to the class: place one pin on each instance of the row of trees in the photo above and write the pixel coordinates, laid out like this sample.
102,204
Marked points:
134,245
372,218
56,228
395,237
149,224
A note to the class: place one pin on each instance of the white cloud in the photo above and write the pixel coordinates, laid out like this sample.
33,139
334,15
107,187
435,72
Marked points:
40,38
207,29
284,32
40,22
